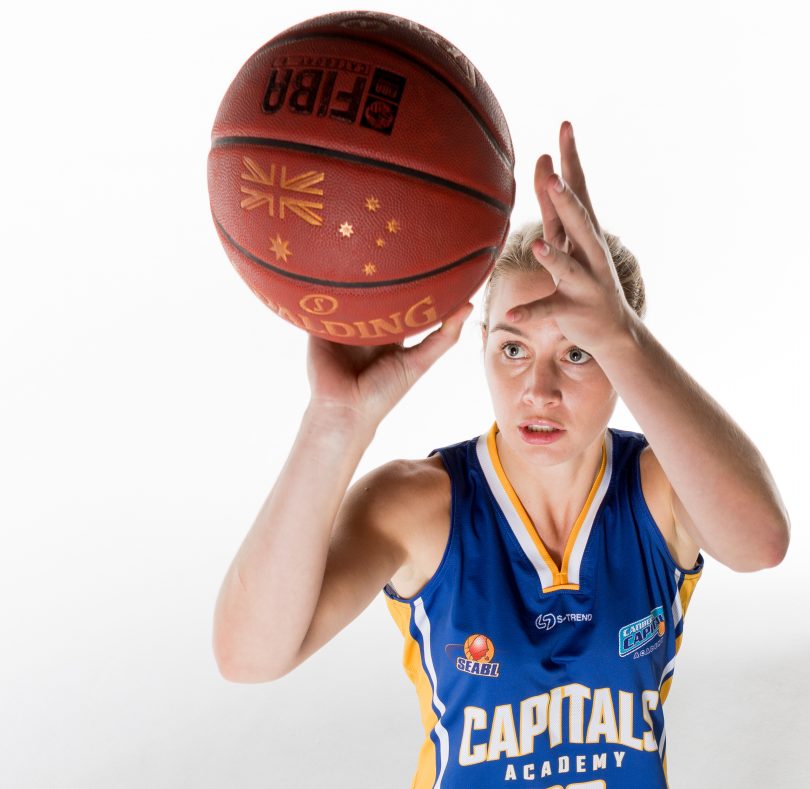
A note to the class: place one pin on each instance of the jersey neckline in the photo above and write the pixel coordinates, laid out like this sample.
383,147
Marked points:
551,577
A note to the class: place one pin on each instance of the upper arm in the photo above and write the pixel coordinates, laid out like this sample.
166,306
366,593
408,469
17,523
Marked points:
377,531
669,514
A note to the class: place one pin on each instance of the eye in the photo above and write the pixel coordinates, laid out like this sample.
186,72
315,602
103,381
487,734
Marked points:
512,350
578,356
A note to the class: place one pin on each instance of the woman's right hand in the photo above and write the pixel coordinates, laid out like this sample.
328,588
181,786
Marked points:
303,573
365,382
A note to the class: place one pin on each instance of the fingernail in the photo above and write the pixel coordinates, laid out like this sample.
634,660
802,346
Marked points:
516,314
558,184
542,248
571,130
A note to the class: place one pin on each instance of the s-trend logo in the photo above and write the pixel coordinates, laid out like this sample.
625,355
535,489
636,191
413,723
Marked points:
545,621
549,621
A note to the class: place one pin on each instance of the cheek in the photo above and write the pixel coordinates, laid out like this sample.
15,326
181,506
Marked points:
500,383
593,390
604,397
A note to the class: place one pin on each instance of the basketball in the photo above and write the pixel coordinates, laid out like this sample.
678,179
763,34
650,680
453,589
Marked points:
361,177
478,647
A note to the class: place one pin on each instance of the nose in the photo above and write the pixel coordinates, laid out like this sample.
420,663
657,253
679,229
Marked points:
542,384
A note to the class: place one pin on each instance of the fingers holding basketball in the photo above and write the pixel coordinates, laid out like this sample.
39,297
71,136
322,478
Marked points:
362,384
439,341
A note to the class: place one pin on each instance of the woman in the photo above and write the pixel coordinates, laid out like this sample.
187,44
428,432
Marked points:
540,573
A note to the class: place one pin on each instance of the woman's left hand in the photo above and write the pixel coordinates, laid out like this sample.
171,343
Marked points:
588,304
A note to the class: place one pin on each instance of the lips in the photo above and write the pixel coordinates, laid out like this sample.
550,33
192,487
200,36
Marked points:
540,431
538,424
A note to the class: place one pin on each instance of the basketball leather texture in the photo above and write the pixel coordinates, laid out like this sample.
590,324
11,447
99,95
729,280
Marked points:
361,177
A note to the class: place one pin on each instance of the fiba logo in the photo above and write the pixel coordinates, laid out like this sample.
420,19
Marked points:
545,621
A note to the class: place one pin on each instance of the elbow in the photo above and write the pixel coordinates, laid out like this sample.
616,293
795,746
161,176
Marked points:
780,540
238,648
771,552
779,547
239,660
233,667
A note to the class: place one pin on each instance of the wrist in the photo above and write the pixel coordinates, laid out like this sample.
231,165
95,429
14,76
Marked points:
626,335
344,422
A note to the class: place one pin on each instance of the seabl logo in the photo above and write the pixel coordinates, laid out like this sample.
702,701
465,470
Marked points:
636,634
478,654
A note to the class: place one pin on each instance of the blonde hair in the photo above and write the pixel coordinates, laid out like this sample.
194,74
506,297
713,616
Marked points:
517,255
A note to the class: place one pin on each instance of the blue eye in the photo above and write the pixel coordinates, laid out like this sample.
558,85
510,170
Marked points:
513,351
578,356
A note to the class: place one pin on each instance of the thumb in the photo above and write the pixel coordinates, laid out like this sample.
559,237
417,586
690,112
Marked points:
422,356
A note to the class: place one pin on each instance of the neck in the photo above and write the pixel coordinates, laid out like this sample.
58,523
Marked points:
552,495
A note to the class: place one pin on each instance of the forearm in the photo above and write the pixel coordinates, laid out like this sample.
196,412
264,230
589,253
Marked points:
270,592
715,470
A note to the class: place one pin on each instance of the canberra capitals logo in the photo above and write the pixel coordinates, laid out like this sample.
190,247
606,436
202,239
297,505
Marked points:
478,654
635,635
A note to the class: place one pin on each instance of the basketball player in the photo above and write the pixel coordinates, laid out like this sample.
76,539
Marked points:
540,573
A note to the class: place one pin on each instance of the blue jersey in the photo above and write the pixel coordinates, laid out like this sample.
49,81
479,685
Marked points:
545,676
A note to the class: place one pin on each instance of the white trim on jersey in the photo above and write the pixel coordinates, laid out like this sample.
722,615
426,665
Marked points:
511,514
677,608
422,622
662,742
677,615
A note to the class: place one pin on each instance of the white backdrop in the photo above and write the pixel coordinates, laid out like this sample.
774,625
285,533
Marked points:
148,398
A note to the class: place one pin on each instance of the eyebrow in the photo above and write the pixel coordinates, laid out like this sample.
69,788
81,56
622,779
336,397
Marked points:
515,330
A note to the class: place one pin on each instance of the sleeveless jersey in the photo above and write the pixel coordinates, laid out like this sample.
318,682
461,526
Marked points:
532,675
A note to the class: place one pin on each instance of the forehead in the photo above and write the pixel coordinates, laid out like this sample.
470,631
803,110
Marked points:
522,287
518,287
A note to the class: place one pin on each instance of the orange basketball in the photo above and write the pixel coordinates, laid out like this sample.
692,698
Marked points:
478,647
361,177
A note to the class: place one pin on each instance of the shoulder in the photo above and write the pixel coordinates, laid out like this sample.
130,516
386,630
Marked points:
402,500
666,509
407,503
403,484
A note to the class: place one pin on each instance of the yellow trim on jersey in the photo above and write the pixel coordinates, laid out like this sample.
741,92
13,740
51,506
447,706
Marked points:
560,576
664,692
584,513
685,593
412,662
687,588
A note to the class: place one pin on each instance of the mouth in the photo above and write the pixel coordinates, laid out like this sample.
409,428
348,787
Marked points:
540,431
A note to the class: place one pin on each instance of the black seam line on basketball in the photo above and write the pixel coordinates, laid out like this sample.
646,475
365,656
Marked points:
335,284
222,142
408,56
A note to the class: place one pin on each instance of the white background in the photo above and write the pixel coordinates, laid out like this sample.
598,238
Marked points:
148,398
